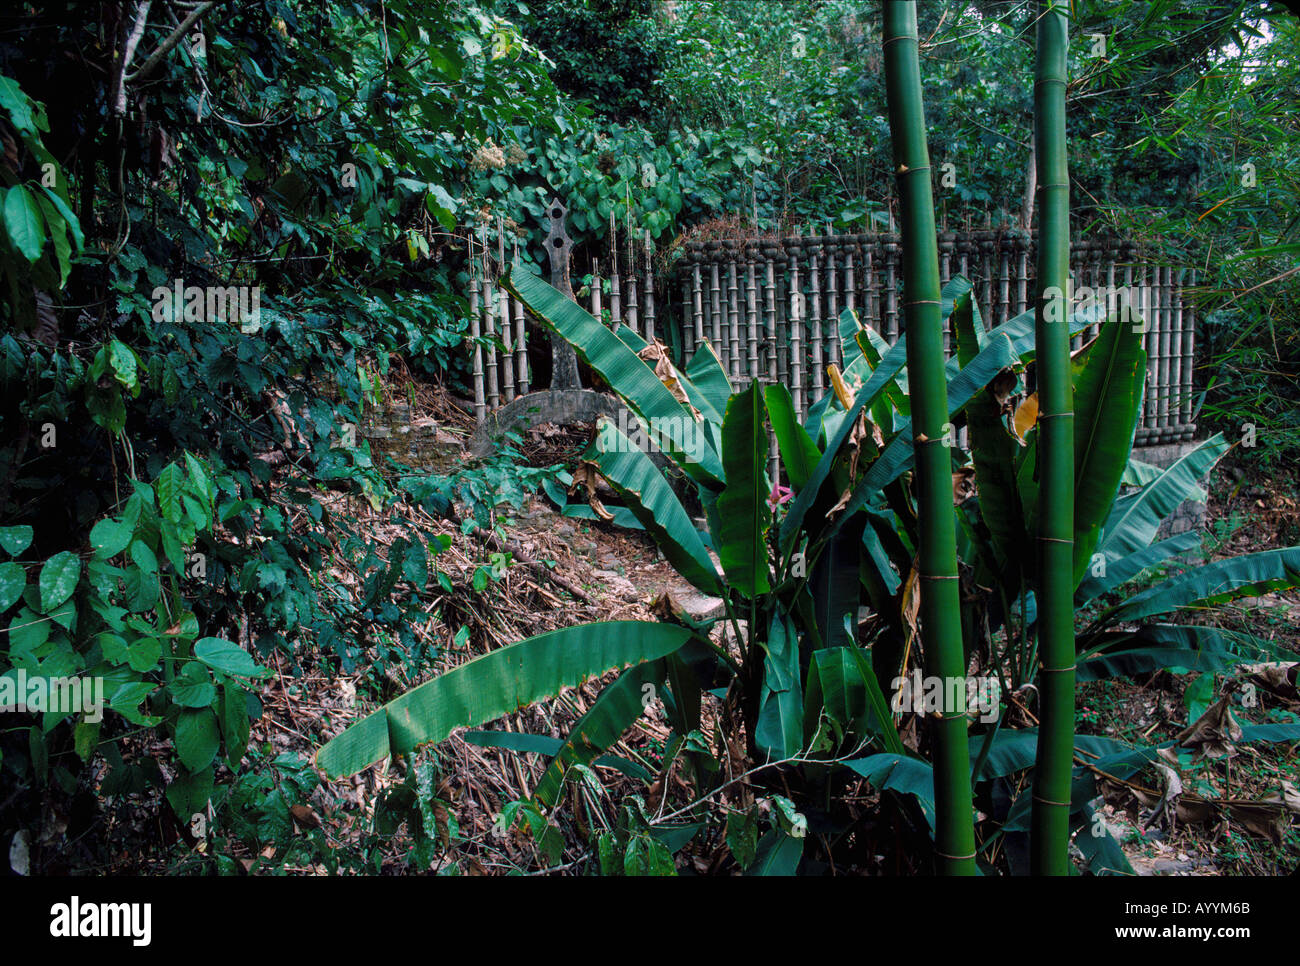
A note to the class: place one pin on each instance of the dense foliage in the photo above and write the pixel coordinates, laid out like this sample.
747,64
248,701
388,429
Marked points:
169,465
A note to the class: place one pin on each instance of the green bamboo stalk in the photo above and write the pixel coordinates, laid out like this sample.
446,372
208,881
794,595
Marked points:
1050,819
937,557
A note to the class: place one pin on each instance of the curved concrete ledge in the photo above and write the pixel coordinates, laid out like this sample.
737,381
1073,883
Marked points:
562,406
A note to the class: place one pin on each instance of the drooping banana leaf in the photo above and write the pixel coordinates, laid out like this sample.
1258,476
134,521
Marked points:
1134,520
636,478
1249,575
612,713
495,684
1112,575
627,374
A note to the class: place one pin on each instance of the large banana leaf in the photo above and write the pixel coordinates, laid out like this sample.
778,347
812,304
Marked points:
708,377
613,712
743,514
1107,397
1249,575
891,771
779,730
628,375
1133,522
705,401
1112,575
799,453
993,451
842,684
636,478
1020,330
496,684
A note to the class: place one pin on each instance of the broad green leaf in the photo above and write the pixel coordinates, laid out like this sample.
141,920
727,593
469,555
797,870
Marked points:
197,738
780,727
1107,398
13,580
777,854
1112,575
59,579
228,658
993,452
901,774
1249,575
799,454
612,713
742,506
706,375
880,378
495,684
641,484
629,376
14,540
23,222
109,537
1133,522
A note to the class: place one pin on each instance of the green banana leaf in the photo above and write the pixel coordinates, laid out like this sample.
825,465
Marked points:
779,730
881,376
708,377
743,513
610,715
629,376
636,478
896,458
705,401
1133,522
1249,575
993,452
799,454
1126,568
1107,397
496,684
